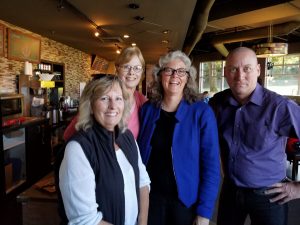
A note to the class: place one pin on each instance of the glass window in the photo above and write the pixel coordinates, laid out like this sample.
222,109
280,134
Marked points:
211,77
284,77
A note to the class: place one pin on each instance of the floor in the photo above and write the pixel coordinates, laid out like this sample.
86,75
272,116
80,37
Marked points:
41,213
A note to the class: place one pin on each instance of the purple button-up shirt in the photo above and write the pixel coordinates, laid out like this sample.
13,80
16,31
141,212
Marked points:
253,136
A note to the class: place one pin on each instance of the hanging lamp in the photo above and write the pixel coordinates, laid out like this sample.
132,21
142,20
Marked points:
271,49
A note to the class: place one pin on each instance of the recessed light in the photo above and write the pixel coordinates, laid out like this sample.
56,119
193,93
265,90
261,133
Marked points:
166,31
133,44
126,36
133,6
97,34
165,41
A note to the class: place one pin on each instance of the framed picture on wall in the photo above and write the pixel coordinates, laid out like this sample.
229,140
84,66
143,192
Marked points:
2,28
99,64
23,47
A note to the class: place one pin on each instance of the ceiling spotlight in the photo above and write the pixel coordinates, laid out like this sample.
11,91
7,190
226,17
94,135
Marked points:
99,31
133,6
166,31
139,18
126,36
133,44
118,51
165,41
60,6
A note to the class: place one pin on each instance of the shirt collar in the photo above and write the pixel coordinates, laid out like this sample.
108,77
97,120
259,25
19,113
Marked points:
256,96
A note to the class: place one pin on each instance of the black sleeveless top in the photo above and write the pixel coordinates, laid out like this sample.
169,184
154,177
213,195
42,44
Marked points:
98,146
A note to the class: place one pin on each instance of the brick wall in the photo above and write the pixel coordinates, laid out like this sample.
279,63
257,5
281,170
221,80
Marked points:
77,64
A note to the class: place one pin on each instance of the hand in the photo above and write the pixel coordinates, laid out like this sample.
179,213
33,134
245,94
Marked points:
201,221
102,222
286,192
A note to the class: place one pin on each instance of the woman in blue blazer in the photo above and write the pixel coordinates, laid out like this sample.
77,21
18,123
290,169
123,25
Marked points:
178,141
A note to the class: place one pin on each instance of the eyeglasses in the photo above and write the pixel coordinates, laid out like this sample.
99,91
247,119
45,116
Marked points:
246,69
181,72
127,68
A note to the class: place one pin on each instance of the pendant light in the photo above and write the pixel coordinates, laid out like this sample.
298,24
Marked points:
271,49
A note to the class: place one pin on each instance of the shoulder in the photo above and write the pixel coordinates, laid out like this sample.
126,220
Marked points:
126,141
271,97
140,99
126,136
85,140
73,153
198,109
219,99
148,106
219,96
81,136
197,106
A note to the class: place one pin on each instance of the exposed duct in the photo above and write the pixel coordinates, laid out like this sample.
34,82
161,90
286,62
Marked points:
257,33
203,8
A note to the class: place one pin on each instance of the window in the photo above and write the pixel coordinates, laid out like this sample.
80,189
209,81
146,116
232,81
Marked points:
284,76
211,77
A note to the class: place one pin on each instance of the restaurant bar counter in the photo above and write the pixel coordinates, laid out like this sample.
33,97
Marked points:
25,155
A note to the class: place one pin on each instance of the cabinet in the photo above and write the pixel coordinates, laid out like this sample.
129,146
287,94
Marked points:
25,156
38,151
14,160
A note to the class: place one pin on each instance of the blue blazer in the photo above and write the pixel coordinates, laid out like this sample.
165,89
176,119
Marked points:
195,150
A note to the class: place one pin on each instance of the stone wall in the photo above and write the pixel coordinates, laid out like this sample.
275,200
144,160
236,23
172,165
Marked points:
77,64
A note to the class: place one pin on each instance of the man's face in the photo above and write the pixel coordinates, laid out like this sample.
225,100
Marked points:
241,73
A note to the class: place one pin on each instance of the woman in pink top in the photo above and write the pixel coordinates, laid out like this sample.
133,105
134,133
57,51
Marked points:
129,67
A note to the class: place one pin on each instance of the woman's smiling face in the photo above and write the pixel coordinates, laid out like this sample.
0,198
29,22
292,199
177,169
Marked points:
108,108
131,72
174,84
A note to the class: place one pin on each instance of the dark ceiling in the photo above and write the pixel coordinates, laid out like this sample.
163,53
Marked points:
230,23
237,23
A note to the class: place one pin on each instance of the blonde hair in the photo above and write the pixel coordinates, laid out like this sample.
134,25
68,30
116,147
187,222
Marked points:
92,91
127,54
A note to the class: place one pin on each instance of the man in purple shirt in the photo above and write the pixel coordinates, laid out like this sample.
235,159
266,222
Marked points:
253,124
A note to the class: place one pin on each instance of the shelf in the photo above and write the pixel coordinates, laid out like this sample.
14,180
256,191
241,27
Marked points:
43,71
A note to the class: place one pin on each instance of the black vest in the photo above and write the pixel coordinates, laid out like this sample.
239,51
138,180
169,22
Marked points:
98,146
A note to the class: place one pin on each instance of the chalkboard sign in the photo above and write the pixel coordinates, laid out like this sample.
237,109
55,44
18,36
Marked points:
2,40
23,47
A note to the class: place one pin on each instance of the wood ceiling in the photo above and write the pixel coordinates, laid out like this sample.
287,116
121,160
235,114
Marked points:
74,22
